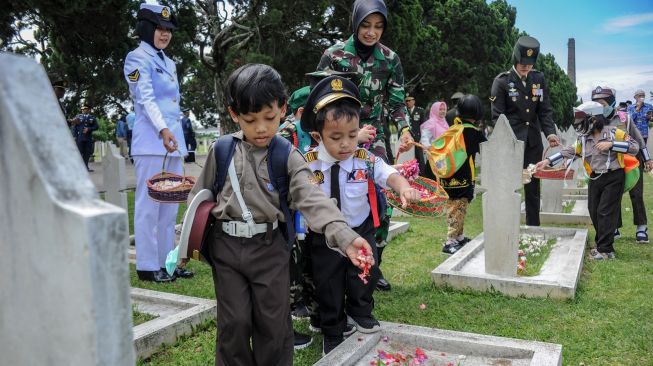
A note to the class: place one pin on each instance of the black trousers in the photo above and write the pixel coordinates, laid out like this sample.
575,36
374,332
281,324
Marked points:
604,204
250,276
637,199
532,155
338,288
86,150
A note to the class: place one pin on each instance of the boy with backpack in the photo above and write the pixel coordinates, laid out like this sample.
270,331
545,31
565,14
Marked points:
602,148
347,174
247,248
460,185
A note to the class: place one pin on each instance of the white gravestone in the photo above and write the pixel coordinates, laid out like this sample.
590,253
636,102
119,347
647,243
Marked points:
569,137
502,155
114,176
551,190
64,278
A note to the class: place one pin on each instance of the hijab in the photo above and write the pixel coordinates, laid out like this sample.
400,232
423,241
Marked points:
360,10
436,124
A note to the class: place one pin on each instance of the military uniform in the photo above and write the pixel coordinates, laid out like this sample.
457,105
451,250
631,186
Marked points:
417,117
154,89
251,275
83,133
527,106
189,138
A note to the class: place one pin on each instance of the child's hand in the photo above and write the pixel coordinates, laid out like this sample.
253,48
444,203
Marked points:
542,164
366,134
409,195
604,145
352,253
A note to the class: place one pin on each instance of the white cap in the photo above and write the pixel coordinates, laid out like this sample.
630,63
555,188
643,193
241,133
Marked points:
588,109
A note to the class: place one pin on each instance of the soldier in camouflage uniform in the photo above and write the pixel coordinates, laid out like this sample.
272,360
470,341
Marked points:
380,80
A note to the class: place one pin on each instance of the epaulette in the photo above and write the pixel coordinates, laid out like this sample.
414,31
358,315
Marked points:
311,156
505,73
362,154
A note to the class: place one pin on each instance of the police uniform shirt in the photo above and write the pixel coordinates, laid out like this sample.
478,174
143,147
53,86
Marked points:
525,103
85,121
154,88
262,200
355,205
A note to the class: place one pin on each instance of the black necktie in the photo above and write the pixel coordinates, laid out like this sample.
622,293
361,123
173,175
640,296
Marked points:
160,53
335,182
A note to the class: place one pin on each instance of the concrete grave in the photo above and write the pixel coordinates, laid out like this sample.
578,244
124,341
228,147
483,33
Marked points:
442,347
114,177
553,192
177,315
64,278
496,268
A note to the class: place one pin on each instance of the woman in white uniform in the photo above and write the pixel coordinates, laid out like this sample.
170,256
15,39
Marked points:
154,89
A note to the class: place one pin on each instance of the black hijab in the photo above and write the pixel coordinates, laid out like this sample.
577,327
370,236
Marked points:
360,10
145,31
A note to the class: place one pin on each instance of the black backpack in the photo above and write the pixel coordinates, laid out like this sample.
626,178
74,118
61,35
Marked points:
278,152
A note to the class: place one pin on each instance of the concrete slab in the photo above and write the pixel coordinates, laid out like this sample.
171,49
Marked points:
558,277
579,215
576,191
443,347
177,315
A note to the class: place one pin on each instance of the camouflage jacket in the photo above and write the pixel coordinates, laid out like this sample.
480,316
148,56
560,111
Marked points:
380,80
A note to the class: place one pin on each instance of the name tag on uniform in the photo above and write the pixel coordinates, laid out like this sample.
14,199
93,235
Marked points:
513,93
159,71
357,176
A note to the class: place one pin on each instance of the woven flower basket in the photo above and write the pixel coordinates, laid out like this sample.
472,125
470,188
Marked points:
432,203
169,187
560,173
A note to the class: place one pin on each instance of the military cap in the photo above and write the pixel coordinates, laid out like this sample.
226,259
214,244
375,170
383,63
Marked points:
457,95
409,97
185,109
58,83
525,51
298,98
602,92
157,14
316,76
327,91
85,106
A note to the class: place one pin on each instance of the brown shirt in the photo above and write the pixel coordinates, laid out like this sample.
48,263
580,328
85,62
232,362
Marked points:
320,212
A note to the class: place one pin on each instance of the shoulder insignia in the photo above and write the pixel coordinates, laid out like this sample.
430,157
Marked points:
134,75
311,156
362,154
492,98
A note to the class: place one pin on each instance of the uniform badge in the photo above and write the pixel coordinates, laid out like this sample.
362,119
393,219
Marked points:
492,98
357,176
269,186
159,71
134,75
534,99
511,84
318,177
529,52
514,99
165,13
336,85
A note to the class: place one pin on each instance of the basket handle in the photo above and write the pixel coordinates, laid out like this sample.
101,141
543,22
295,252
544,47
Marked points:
413,143
165,158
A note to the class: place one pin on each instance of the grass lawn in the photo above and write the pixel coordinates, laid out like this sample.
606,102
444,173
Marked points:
608,323
130,210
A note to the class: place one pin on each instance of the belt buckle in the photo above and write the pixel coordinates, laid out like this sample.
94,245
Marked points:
242,230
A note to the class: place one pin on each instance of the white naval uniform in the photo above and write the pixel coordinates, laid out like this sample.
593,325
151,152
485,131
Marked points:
355,205
154,89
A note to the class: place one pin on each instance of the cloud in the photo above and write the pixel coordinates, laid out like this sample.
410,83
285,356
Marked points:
622,23
625,79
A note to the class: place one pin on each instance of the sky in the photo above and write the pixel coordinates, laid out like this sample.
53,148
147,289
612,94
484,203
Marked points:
614,40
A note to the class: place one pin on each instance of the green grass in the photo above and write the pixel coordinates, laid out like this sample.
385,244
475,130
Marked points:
608,323
140,318
130,210
570,207
534,262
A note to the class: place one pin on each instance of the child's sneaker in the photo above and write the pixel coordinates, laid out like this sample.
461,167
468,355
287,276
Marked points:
617,234
314,325
302,340
366,324
329,343
350,328
642,236
299,311
464,241
451,246
595,255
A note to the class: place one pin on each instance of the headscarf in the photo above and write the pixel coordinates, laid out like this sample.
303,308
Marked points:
360,10
145,31
436,124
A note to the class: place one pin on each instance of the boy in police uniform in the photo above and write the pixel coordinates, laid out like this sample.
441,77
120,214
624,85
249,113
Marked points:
342,171
522,96
250,263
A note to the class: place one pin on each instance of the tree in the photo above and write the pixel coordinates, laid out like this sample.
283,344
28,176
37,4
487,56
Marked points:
561,91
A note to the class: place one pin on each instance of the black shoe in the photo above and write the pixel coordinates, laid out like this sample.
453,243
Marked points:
299,311
329,343
452,247
383,285
154,276
183,273
350,329
302,340
617,234
314,325
366,324
90,170
464,241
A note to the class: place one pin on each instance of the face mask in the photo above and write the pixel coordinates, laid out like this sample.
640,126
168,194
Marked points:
607,110
324,154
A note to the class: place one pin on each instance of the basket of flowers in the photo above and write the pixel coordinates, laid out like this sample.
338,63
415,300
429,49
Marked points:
168,187
563,172
433,196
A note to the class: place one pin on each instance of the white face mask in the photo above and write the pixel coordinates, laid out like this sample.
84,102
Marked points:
324,154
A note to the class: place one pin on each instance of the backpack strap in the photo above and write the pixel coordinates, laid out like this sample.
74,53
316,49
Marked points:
223,152
278,153
371,186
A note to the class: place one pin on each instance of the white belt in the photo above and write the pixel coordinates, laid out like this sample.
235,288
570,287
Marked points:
244,230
